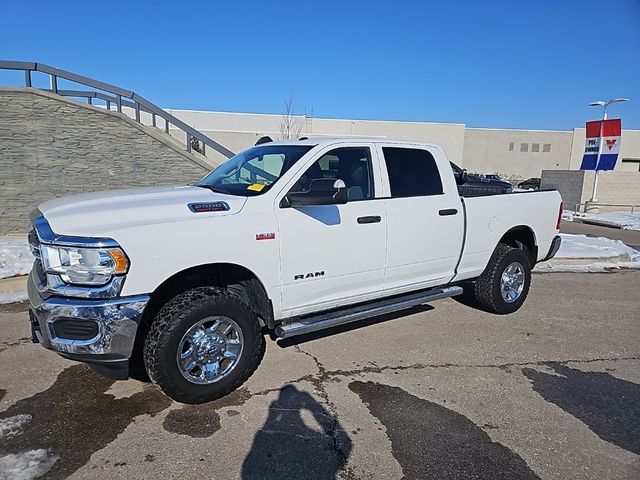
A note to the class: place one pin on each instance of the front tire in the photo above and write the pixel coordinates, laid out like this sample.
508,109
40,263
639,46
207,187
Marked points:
504,285
203,344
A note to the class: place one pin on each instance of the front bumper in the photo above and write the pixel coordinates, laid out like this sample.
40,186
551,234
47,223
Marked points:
100,332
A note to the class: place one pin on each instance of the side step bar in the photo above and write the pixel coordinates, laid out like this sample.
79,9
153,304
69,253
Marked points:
360,312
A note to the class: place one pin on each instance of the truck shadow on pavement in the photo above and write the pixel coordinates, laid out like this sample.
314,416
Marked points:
75,417
289,445
609,406
430,441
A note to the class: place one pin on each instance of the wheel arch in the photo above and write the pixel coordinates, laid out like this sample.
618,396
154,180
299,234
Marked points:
237,278
524,238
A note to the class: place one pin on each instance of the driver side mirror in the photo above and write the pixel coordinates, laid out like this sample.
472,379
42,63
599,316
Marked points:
322,191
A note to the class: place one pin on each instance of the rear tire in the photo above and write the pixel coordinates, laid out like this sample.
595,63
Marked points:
504,285
192,325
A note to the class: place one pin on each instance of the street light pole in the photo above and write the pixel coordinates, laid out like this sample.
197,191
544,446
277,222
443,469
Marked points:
597,172
605,106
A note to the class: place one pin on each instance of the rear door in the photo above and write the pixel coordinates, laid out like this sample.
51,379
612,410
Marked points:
332,255
425,221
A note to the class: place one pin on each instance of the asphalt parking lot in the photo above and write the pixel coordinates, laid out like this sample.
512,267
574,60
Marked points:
443,391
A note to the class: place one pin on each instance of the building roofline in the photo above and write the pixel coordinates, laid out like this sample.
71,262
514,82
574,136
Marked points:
413,122
278,115
521,129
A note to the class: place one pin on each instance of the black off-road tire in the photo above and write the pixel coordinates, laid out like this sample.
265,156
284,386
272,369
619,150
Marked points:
486,288
171,323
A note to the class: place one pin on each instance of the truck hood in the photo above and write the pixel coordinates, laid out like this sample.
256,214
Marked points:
100,214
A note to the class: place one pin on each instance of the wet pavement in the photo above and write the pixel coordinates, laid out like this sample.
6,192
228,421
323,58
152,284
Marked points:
441,391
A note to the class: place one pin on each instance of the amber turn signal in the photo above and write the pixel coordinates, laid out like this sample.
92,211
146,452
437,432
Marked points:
121,261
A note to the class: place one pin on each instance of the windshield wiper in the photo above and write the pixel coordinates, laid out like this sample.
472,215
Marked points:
214,189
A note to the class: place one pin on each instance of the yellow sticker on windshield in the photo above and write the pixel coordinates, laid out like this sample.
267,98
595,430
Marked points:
256,187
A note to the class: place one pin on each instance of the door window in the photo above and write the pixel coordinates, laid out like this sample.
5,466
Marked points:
352,165
412,172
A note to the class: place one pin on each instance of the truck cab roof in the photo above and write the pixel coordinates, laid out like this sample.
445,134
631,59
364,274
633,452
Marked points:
331,140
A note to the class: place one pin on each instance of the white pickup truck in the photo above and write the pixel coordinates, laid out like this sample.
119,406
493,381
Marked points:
289,237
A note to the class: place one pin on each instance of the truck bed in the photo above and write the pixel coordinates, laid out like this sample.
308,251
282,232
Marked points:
488,218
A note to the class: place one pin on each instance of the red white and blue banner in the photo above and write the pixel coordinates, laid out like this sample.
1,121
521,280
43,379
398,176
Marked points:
609,131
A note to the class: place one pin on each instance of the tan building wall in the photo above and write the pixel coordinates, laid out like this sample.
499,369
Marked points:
614,187
238,131
522,153
511,153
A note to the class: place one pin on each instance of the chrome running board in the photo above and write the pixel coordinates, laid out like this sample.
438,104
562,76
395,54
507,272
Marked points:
302,325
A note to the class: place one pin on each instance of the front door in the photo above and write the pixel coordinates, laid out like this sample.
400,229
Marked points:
333,254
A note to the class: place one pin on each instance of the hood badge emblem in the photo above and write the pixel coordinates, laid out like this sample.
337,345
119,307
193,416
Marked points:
208,207
265,236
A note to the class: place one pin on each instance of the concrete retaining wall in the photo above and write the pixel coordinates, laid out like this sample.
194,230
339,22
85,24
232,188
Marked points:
570,184
51,147
576,186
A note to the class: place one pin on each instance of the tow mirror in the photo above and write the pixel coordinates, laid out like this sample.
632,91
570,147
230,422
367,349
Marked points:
322,191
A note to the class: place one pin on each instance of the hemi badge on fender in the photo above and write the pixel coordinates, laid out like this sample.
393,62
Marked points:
265,236
208,207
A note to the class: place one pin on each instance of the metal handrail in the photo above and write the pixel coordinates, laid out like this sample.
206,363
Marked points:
598,204
118,96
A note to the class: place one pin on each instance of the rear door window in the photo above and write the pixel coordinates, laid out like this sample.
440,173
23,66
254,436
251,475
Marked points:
412,172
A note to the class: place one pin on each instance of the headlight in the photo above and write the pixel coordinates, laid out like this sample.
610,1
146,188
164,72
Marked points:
84,266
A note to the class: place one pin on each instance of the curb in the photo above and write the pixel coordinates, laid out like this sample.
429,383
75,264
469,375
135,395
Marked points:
614,260
599,223
13,284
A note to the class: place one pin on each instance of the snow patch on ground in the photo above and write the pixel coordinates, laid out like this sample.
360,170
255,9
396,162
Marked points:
13,296
15,257
26,465
626,221
12,425
576,251
581,246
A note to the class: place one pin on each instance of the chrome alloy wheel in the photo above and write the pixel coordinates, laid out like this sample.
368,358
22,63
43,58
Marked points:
512,282
210,350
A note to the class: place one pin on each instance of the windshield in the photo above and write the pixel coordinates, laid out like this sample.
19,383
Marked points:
255,170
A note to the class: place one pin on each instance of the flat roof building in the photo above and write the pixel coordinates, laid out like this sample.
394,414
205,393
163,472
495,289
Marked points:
509,152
